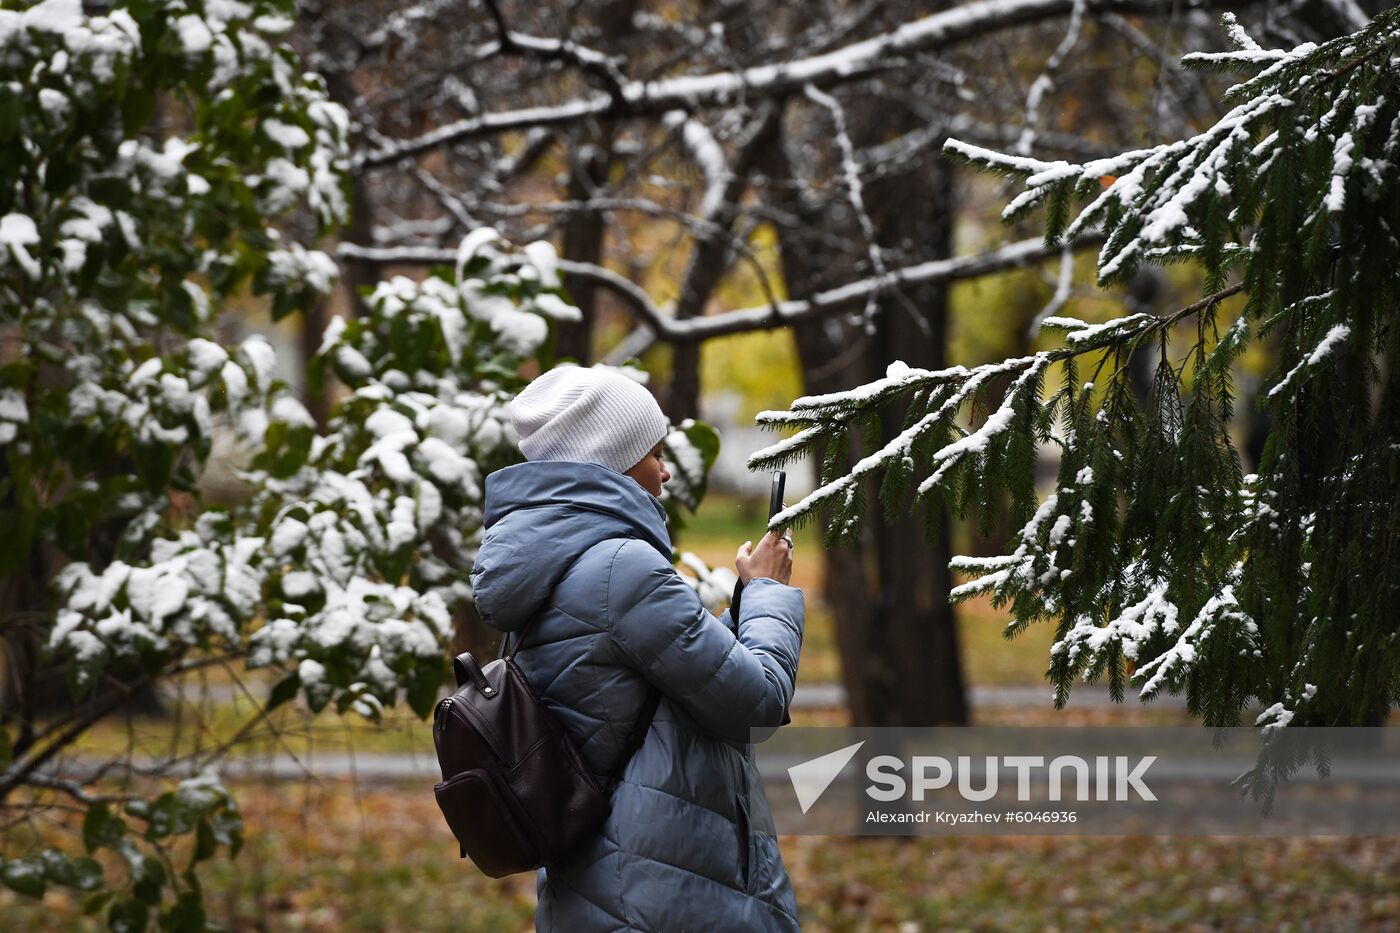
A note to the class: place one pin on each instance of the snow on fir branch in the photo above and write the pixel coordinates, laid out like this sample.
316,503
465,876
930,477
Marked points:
941,395
1155,558
1174,196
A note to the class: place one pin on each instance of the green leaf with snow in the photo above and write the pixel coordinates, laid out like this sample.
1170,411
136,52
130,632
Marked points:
24,875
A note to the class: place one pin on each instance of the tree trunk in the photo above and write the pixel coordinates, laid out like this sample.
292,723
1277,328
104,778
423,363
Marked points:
589,168
583,242
896,629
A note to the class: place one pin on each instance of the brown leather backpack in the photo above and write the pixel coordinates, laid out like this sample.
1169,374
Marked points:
515,791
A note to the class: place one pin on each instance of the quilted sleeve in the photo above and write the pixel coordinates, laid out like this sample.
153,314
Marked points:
728,684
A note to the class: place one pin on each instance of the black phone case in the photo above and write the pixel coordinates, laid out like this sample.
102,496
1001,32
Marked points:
775,505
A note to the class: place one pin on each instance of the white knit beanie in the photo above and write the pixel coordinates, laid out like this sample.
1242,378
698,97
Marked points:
590,415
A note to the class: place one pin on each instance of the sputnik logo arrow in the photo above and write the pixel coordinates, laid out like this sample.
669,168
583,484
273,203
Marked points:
811,778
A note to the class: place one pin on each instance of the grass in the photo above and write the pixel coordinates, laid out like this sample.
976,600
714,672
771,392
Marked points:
333,856
199,727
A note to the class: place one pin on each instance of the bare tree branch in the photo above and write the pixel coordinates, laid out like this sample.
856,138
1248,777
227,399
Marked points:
720,206
705,150
72,789
763,317
589,61
850,177
1044,83
1186,87
64,733
721,89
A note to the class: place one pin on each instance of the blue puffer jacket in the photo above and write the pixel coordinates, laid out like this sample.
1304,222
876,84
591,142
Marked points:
690,844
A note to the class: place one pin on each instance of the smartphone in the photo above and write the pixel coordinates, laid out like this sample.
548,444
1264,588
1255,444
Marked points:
775,505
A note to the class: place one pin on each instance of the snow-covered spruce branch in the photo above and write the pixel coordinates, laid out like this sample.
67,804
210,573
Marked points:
1156,560
1049,550
945,393
764,317
692,92
1201,196
939,396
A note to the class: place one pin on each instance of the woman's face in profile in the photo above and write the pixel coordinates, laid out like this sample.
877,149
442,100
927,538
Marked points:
651,473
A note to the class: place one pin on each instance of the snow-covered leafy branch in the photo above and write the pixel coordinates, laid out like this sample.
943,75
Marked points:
162,153
149,150
347,561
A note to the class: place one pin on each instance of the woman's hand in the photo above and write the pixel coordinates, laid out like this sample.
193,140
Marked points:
772,558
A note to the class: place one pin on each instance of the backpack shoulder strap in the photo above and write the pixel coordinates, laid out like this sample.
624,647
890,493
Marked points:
637,736
644,718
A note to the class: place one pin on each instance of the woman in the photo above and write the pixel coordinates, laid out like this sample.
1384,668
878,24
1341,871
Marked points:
576,568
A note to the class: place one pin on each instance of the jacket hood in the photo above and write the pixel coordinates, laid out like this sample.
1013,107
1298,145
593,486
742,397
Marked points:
540,517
